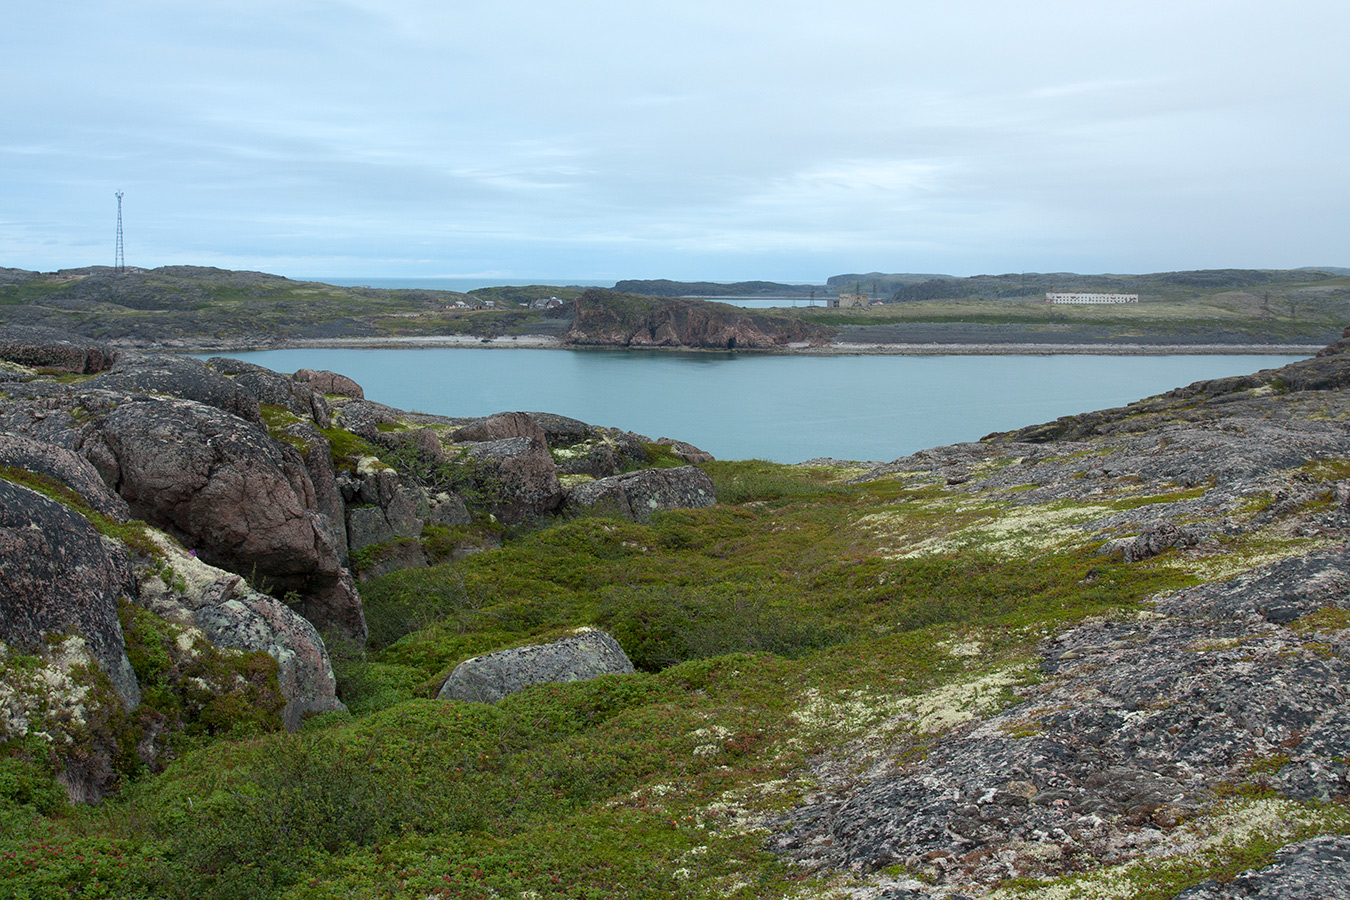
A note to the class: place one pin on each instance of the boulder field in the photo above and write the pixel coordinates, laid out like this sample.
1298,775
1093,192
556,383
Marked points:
239,508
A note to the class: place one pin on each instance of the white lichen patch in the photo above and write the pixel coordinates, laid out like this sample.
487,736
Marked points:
370,465
1005,531
933,712
712,737
1211,839
46,695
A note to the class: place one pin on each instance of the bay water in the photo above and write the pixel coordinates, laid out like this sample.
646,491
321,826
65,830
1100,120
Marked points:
786,408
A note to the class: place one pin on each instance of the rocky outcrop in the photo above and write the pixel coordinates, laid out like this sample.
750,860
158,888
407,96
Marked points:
1318,867
44,348
325,382
224,488
273,388
686,451
606,319
235,616
487,679
59,577
501,427
182,377
517,478
65,466
639,495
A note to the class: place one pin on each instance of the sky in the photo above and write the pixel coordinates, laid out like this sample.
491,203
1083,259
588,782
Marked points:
722,141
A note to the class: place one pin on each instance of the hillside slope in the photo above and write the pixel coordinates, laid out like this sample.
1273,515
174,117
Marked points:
1103,657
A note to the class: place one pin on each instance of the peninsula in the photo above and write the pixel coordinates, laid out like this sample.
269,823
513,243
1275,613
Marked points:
195,308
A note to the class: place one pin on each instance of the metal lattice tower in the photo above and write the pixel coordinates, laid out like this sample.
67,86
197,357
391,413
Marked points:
120,263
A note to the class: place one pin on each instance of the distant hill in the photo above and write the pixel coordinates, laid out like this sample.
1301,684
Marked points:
662,287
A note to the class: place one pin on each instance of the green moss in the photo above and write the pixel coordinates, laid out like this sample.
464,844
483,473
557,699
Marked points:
347,448
134,534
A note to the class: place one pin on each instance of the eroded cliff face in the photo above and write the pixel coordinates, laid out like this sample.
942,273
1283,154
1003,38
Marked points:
606,319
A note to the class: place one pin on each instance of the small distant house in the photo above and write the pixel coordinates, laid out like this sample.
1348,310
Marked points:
849,301
545,303
1062,297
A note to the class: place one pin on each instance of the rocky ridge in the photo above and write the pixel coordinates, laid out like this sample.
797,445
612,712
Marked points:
1139,739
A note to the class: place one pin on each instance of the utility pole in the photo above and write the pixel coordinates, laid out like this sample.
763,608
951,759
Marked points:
119,261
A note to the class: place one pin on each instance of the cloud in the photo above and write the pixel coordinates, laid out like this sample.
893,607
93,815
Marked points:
742,138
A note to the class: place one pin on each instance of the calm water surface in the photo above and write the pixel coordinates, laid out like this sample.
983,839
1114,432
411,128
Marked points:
783,408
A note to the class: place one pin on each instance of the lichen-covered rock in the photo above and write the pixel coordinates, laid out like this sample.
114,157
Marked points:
233,615
222,487
45,348
65,466
1316,868
58,576
517,478
1135,724
638,495
179,376
580,657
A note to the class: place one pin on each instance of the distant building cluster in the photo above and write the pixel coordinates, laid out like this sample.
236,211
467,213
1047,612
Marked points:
848,301
1054,297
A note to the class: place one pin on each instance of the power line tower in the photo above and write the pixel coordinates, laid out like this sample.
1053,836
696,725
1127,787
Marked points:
119,263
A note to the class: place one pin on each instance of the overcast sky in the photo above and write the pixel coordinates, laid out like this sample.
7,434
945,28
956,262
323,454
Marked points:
720,140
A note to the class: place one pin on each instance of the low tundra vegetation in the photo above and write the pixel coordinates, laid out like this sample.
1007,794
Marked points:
788,620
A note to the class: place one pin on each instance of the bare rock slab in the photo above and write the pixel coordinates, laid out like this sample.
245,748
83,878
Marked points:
638,495
581,657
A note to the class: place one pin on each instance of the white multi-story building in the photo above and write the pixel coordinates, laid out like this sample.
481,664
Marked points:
1054,297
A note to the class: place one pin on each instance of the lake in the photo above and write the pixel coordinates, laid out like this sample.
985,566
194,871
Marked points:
783,408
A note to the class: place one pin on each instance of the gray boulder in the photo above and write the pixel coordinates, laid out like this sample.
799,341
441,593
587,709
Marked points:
487,679
500,427
686,451
325,382
58,575
637,495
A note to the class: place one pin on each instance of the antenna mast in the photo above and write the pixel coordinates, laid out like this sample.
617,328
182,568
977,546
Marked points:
120,263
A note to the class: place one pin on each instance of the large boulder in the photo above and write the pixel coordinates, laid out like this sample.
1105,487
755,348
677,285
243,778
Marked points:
59,576
638,495
222,487
179,376
235,616
517,477
580,657
500,427
326,382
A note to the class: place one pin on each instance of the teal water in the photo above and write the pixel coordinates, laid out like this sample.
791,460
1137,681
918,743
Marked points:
783,408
